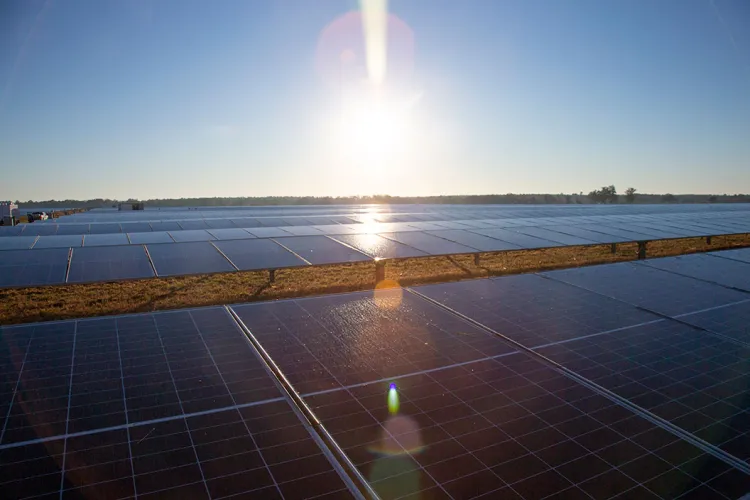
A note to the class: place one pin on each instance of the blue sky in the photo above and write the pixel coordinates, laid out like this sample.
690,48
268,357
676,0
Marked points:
188,98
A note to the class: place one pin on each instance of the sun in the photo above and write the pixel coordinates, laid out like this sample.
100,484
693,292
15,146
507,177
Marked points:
373,130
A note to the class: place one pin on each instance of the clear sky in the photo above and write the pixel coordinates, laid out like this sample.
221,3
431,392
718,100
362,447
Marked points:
180,98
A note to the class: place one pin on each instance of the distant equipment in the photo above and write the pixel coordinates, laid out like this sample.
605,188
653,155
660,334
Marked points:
9,213
130,206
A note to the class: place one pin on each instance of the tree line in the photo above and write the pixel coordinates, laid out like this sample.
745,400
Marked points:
606,194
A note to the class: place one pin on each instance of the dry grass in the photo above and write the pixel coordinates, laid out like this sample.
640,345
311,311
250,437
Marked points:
32,304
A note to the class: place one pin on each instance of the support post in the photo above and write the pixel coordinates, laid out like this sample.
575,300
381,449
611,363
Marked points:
476,259
613,248
271,275
642,250
708,240
379,271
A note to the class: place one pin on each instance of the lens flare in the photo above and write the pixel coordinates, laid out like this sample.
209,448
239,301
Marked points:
375,28
393,399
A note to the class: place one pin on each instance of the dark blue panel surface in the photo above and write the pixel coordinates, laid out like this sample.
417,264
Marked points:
109,263
732,321
586,234
474,240
196,257
546,234
246,222
220,223
92,240
272,221
322,250
166,226
725,272
12,230
59,241
153,237
136,227
650,288
302,230
17,242
740,254
72,229
522,240
40,229
267,232
428,243
33,267
379,247
235,233
191,235
104,228
193,224
258,254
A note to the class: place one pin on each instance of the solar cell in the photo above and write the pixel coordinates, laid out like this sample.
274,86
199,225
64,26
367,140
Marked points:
268,232
516,238
427,405
59,241
165,405
428,243
647,287
725,272
473,240
91,240
191,235
731,320
195,257
153,237
535,311
379,247
230,234
74,229
109,263
557,237
740,254
693,379
104,228
33,267
166,226
17,243
321,250
258,254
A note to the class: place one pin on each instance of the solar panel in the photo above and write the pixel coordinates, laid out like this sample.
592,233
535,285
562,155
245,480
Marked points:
220,224
630,235
535,311
153,237
426,226
706,267
91,240
246,222
58,241
586,234
166,226
195,257
653,289
268,232
321,250
12,230
426,405
230,234
335,229
193,224
40,229
75,229
258,254
693,379
136,227
557,237
109,263
191,235
473,240
516,238
167,405
740,254
731,321
302,230
272,221
33,267
17,243
104,228
379,247
295,221
428,243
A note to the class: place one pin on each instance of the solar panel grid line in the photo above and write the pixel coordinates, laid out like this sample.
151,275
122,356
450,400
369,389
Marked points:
654,264
343,466
125,407
292,251
225,256
16,387
605,332
231,395
659,421
67,417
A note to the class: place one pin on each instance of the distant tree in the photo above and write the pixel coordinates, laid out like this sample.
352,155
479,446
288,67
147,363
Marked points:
713,199
630,195
607,194
567,198
669,198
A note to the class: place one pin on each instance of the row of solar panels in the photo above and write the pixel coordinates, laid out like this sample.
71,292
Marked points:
616,381
73,228
45,266
627,228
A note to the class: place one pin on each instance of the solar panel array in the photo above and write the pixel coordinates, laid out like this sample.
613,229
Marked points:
532,386
182,247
